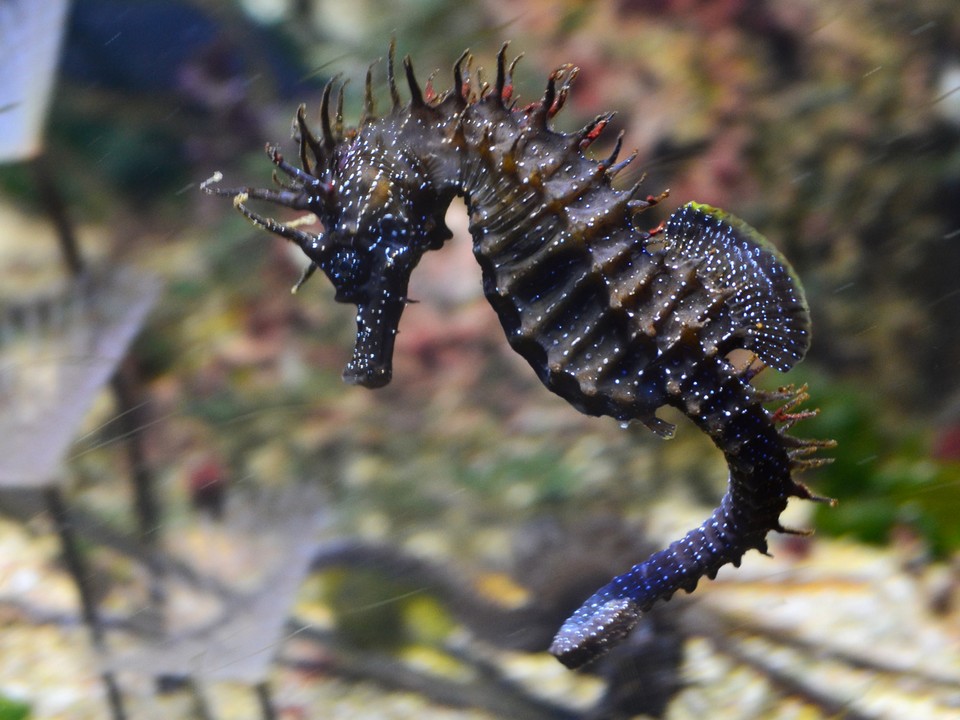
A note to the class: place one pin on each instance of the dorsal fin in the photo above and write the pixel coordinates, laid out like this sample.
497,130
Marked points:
768,304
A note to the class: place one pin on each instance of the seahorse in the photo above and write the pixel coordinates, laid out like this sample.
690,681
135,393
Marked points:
616,319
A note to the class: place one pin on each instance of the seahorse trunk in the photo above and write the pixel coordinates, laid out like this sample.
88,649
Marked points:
619,322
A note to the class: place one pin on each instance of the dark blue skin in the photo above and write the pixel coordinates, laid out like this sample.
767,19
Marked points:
617,320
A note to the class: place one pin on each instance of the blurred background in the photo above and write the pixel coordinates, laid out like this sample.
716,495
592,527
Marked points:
198,519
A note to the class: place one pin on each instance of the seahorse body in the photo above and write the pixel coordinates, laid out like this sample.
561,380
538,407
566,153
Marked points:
617,320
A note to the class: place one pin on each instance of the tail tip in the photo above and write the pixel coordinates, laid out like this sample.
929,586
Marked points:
593,629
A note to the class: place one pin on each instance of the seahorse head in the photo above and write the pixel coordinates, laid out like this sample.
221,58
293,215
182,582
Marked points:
380,215
380,191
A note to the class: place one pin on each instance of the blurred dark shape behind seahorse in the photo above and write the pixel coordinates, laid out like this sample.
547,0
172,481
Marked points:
616,319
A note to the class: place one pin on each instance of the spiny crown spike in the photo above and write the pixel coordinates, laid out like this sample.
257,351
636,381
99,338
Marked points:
542,111
338,118
328,140
307,139
416,95
463,69
311,181
429,94
369,106
391,75
509,89
568,73
459,82
276,157
312,245
593,129
612,158
482,85
501,72
304,160
614,170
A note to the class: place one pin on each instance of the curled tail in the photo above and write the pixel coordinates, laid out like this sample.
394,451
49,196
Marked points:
767,314
759,486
